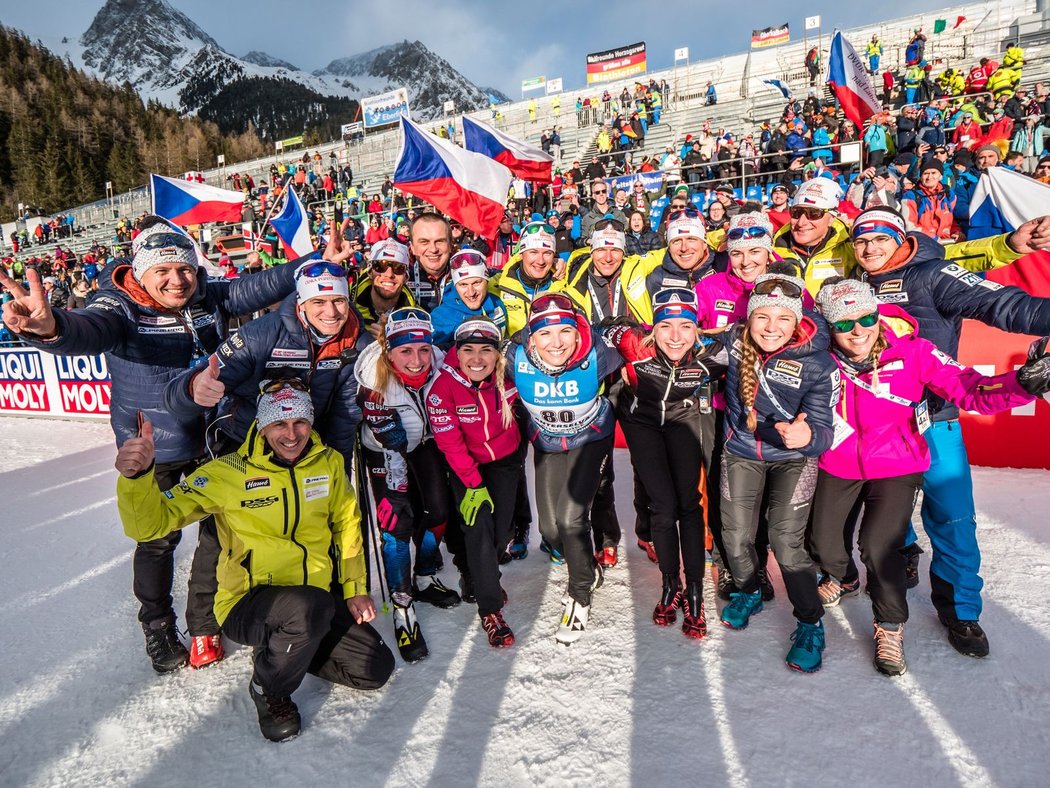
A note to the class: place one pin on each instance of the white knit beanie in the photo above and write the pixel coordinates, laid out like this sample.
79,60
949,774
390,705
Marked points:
285,403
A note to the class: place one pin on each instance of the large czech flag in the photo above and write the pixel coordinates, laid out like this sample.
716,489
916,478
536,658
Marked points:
468,186
849,79
188,202
524,160
293,226
1003,200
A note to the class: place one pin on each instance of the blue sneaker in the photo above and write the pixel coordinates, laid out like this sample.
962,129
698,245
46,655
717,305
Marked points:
556,557
808,645
741,607
518,550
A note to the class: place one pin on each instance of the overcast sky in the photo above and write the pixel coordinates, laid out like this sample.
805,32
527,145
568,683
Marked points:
492,44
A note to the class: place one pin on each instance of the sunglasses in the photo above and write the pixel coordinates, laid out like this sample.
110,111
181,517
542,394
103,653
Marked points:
690,213
599,191
162,240
845,326
738,233
382,266
811,213
603,224
322,268
788,288
273,386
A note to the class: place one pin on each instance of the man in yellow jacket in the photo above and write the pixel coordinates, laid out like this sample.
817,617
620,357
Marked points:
529,272
283,508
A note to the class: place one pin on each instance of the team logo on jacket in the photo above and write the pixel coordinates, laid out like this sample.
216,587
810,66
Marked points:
289,352
466,410
316,479
200,481
236,341
256,483
258,503
725,306
434,399
786,373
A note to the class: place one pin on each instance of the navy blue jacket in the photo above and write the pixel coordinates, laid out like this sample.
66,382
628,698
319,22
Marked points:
146,346
939,294
803,378
281,345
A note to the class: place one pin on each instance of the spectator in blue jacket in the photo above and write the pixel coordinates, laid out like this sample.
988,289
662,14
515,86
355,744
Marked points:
466,297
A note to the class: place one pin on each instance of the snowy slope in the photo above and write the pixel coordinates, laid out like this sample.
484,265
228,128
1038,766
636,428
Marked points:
630,704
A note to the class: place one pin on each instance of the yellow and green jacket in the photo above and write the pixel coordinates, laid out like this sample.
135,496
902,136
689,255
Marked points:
276,524
633,272
516,299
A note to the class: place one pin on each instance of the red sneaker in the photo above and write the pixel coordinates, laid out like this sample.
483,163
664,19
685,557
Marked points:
205,650
608,557
498,632
650,549
695,627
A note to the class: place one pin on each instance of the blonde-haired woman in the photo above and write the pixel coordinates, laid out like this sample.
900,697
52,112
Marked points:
469,407
780,390
408,473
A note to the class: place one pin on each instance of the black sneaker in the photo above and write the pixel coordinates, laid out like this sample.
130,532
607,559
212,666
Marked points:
434,593
466,589
911,570
278,717
766,585
966,637
163,646
726,586
410,642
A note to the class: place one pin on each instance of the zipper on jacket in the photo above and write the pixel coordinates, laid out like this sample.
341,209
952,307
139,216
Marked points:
295,520
485,424
247,564
667,393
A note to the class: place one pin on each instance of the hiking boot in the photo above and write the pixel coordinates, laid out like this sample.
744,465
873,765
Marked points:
966,637
649,548
726,586
832,592
694,625
807,646
766,585
410,642
496,629
741,607
665,613
205,650
278,717
889,649
608,557
163,646
434,593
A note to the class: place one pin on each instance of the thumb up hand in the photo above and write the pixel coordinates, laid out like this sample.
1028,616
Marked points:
795,434
205,386
137,454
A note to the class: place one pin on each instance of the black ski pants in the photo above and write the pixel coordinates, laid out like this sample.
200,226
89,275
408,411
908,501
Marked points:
488,538
790,485
667,459
153,567
566,483
300,629
888,505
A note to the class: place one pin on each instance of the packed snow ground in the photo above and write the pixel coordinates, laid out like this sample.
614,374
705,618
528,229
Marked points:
630,704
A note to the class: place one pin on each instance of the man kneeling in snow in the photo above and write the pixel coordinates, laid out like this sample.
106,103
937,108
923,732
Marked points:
284,510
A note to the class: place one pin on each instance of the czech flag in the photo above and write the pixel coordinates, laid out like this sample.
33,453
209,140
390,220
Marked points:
524,160
849,78
293,226
1003,200
188,202
468,186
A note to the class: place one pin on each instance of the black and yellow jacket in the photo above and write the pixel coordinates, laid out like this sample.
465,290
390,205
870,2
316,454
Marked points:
276,524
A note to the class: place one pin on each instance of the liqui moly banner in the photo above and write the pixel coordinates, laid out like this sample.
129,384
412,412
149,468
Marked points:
615,64
33,383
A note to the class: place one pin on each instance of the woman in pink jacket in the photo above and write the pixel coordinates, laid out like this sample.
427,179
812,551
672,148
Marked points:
878,454
469,408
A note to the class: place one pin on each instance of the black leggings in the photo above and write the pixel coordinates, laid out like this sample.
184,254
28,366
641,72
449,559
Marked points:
668,461
888,505
566,483
790,485
488,538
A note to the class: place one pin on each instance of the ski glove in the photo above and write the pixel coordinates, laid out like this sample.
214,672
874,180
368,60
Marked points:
391,509
475,498
1034,376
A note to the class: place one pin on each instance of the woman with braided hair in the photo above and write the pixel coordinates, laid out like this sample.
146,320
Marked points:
780,389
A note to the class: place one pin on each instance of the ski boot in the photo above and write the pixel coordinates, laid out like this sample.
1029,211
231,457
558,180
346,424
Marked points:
434,593
608,556
205,650
573,622
409,639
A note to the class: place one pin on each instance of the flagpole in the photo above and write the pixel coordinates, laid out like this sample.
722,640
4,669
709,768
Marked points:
269,215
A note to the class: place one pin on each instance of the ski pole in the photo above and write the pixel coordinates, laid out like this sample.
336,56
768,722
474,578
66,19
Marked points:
366,512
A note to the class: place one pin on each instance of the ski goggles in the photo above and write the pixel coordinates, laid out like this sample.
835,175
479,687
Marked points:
688,213
785,286
845,326
604,224
810,212
537,227
164,240
320,268
739,233
465,258
275,385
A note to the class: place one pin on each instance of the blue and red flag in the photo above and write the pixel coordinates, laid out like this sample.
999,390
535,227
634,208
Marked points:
188,202
293,226
470,187
849,78
524,160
